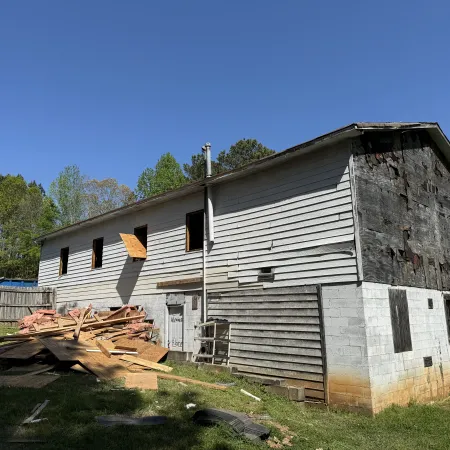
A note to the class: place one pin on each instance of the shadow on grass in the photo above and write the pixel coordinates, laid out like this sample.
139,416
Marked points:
75,401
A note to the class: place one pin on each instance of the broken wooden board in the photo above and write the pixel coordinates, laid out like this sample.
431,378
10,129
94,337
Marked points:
84,314
23,351
88,324
27,381
153,352
168,376
59,347
133,245
144,380
145,363
103,367
162,284
146,350
129,348
103,348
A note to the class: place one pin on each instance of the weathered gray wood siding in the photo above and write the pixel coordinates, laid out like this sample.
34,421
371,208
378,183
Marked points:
16,302
275,333
403,203
120,278
296,218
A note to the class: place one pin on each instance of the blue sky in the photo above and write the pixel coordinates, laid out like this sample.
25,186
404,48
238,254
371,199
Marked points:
111,85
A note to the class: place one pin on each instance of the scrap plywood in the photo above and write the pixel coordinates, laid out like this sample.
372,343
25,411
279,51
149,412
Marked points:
146,350
103,367
60,349
168,376
134,247
27,381
23,351
145,363
144,380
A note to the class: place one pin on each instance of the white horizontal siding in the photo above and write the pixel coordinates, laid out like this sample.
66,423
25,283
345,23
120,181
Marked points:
296,217
120,278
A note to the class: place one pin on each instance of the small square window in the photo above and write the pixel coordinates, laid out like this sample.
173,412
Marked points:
63,260
97,253
194,231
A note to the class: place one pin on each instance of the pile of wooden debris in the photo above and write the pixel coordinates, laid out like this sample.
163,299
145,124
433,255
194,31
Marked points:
119,344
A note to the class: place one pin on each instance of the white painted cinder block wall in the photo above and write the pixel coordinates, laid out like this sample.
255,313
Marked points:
346,347
401,377
364,372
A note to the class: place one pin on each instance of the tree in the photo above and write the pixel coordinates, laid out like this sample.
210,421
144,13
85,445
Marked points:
68,193
239,154
105,195
166,175
25,214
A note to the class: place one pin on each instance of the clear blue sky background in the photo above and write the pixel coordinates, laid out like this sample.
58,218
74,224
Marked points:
111,85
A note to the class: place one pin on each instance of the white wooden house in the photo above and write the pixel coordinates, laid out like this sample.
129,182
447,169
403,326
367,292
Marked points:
290,267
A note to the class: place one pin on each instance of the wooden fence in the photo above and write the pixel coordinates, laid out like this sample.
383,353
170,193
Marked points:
16,302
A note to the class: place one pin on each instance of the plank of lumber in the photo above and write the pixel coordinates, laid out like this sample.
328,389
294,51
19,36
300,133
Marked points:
103,349
144,362
83,316
103,367
129,348
115,334
95,324
144,380
168,376
23,351
162,284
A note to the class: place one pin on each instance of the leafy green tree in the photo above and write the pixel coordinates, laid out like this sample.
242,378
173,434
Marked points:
239,154
105,195
166,175
25,213
68,193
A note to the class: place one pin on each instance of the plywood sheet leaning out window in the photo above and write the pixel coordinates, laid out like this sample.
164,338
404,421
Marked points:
401,332
134,247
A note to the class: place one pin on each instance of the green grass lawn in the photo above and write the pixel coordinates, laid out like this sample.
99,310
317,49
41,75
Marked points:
76,399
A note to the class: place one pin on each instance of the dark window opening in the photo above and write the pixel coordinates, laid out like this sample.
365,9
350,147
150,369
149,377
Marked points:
63,260
447,313
194,231
401,332
430,303
97,253
141,234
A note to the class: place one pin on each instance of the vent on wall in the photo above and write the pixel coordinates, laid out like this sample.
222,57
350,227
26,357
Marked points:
266,274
